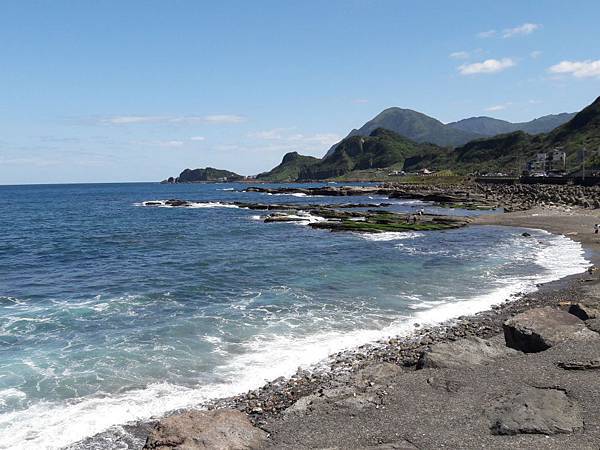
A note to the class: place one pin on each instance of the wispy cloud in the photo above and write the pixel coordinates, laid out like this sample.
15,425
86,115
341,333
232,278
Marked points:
499,107
486,67
274,134
521,30
32,161
322,139
197,138
147,119
285,138
487,34
579,69
459,55
224,118
360,101
173,143
170,144
535,54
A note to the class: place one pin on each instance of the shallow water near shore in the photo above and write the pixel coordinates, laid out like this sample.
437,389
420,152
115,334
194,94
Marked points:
112,312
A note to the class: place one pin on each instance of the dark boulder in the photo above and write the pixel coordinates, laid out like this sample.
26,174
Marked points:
538,329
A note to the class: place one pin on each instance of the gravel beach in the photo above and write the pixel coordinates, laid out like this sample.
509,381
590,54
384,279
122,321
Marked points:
457,385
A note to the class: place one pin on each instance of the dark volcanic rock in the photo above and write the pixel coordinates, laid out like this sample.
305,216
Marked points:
177,202
200,430
585,310
464,352
580,365
593,324
536,411
538,329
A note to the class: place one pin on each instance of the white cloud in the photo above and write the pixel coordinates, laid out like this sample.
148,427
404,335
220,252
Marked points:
487,66
535,54
224,118
134,120
274,134
500,107
521,30
487,34
168,144
125,120
197,138
459,55
579,69
360,101
173,143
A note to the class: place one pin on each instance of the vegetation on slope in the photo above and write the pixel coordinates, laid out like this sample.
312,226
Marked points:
374,156
289,169
207,174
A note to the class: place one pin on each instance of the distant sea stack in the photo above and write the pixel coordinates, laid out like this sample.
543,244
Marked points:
209,174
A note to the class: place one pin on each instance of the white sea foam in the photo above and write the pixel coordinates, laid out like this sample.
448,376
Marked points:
410,202
389,236
163,204
9,394
305,218
294,194
55,425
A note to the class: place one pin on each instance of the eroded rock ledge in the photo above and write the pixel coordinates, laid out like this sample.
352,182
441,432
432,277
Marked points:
340,218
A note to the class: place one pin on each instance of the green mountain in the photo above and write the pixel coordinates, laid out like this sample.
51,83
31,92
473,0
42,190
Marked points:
383,148
207,174
290,168
501,153
415,126
509,152
488,126
421,128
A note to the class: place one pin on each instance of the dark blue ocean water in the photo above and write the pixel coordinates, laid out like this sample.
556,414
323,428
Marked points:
111,311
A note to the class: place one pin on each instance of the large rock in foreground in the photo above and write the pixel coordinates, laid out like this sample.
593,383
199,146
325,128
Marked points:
222,429
465,352
538,411
539,329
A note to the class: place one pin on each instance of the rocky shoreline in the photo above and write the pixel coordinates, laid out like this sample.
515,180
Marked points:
511,197
462,384
359,380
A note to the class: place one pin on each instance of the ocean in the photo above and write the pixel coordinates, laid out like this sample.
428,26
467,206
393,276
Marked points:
112,311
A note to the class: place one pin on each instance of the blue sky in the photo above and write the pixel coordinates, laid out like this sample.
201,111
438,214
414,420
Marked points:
122,90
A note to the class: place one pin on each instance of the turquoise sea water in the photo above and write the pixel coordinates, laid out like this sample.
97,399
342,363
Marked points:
111,311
